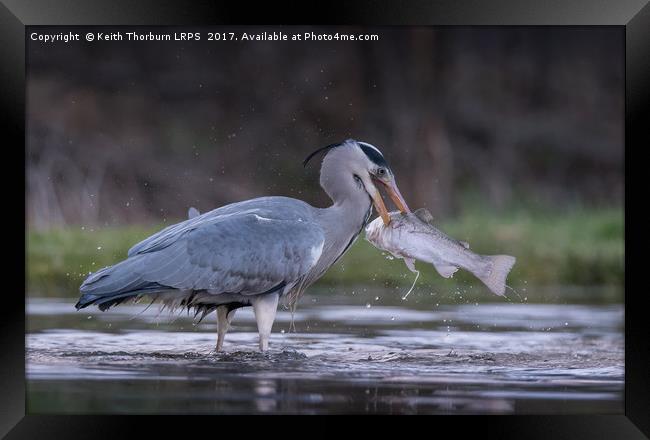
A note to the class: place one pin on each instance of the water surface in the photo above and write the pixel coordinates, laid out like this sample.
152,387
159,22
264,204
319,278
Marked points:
351,354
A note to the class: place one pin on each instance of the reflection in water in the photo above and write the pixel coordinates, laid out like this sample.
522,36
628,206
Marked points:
265,391
401,357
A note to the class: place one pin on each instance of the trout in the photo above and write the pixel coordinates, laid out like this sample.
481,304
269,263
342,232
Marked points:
412,236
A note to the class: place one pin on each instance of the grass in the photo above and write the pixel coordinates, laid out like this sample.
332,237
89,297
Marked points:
578,247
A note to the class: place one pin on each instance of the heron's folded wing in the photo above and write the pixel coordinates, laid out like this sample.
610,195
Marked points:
171,233
245,253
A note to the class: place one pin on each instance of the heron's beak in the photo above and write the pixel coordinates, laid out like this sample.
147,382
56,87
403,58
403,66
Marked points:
396,197
380,207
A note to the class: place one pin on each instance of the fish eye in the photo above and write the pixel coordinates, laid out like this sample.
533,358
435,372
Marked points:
357,178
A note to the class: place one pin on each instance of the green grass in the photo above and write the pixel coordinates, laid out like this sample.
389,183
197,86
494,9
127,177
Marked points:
579,247
58,260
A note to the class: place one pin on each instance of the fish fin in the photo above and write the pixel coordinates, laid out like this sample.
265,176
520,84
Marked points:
192,212
495,276
424,215
445,270
410,263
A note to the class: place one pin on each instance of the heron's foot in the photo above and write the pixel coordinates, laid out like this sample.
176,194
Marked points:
264,342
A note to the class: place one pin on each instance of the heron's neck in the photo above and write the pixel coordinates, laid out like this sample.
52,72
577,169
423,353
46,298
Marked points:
349,213
345,218
341,222
350,202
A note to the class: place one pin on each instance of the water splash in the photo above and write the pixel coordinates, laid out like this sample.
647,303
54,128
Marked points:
417,275
515,292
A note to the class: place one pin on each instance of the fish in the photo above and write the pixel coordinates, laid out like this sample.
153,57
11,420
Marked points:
412,236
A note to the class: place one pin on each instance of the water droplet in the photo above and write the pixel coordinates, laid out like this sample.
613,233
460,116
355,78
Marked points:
282,331
376,298
99,248
368,306
566,323
392,318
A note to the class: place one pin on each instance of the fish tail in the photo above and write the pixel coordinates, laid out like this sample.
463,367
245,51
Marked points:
494,277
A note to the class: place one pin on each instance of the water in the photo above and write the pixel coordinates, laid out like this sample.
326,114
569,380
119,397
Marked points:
393,357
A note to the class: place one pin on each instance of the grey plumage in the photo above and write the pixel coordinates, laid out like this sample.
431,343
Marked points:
239,254
276,239
193,212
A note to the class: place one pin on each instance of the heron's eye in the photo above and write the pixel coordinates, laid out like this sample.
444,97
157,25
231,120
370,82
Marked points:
357,178
381,172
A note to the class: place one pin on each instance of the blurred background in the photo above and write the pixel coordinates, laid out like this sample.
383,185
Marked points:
512,137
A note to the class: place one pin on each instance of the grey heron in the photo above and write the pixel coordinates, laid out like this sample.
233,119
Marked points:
252,253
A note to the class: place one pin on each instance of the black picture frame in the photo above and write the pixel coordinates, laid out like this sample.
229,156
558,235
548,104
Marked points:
633,15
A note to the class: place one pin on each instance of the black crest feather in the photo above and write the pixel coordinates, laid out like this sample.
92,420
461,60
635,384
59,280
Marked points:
329,147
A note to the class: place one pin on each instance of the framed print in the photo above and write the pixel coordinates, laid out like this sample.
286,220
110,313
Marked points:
373,209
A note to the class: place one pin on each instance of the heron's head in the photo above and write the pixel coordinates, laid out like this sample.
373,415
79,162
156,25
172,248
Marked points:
367,170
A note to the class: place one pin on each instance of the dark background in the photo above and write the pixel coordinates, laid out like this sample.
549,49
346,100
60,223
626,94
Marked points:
136,132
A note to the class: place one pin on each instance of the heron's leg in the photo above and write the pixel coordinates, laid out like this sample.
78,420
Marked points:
265,307
223,324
